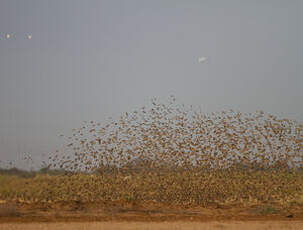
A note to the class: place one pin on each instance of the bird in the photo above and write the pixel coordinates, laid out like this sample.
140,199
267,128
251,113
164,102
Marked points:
202,59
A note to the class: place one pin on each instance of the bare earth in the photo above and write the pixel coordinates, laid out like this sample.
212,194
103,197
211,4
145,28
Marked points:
247,225
152,216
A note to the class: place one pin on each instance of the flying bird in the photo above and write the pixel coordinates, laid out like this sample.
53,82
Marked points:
202,59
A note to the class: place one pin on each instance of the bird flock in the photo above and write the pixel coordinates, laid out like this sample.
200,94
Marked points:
171,154
169,135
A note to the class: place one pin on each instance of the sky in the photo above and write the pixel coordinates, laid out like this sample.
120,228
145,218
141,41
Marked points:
90,60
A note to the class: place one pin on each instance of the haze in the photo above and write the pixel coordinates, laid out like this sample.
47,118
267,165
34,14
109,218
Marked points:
89,60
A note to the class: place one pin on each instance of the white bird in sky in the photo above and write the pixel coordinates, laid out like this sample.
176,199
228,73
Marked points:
202,59
9,36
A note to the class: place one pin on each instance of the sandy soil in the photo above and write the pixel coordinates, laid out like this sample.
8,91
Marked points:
62,216
239,225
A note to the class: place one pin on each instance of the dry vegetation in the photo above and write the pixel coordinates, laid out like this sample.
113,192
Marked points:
172,155
186,188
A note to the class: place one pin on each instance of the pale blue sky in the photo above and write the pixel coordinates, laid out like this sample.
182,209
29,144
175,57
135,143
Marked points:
88,60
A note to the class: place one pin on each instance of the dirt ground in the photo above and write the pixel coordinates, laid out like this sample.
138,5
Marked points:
150,216
152,211
220,225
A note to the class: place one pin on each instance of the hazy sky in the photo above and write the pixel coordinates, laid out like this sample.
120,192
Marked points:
88,60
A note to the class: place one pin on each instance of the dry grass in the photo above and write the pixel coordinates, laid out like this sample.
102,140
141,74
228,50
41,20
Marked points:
183,188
